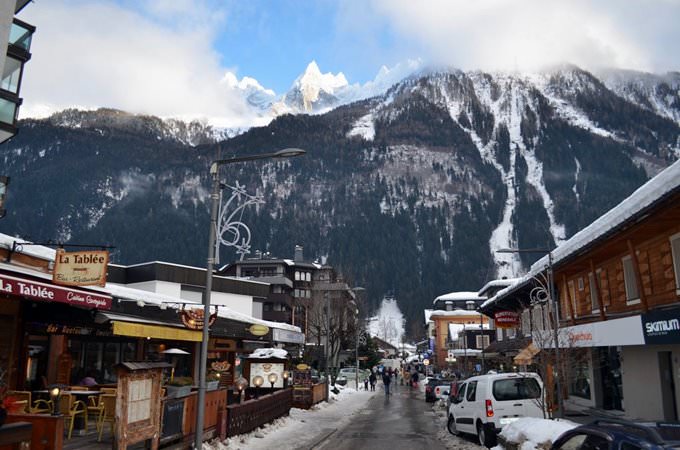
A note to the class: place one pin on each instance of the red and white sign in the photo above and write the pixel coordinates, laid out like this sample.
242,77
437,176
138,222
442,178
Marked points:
49,293
506,319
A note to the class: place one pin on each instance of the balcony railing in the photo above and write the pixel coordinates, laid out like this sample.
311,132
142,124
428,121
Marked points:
20,34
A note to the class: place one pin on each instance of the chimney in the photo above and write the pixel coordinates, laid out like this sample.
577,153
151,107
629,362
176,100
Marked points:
298,254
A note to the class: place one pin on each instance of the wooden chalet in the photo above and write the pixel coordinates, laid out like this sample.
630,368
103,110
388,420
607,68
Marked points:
617,283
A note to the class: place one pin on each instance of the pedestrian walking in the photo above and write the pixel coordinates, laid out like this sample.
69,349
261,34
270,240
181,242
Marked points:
372,379
365,384
414,378
386,379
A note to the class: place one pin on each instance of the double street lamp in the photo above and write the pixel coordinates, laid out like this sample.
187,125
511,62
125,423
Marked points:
552,299
212,237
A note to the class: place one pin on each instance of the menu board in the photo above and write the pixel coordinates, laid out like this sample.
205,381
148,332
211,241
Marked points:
139,400
263,370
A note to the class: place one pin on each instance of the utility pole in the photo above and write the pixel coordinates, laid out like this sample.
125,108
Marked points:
328,341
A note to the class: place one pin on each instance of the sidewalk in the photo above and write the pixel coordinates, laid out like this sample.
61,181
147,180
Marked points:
302,428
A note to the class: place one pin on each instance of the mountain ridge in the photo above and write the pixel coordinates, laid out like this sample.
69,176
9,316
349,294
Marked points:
411,192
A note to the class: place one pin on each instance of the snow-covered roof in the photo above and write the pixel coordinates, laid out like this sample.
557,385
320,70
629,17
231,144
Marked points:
454,313
455,329
459,296
518,282
428,313
37,251
264,353
659,188
497,283
149,298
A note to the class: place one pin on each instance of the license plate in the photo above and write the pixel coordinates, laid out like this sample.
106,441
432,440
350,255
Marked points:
507,420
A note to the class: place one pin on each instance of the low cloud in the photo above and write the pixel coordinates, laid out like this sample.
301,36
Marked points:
157,60
530,34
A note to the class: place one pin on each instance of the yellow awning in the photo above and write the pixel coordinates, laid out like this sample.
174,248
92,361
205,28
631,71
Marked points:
525,357
155,331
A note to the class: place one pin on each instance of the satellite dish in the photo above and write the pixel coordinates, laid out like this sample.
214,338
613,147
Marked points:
175,351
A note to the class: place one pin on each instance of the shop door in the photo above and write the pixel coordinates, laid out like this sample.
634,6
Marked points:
610,370
670,410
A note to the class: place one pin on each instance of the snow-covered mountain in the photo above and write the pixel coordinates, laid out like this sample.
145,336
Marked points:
411,191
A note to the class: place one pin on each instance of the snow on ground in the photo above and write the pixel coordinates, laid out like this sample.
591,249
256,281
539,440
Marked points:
388,323
530,432
301,426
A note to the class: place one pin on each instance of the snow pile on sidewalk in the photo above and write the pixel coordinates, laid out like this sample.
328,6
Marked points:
531,433
301,426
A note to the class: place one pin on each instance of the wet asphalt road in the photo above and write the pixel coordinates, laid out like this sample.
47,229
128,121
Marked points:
401,421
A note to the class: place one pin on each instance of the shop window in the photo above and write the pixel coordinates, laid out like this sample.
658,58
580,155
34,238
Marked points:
572,299
675,250
594,303
632,292
526,322
580,380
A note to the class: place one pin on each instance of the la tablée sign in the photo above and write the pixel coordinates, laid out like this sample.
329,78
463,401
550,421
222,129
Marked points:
35,290
86,268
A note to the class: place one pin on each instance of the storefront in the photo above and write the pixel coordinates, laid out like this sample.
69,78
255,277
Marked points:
593,354
33,312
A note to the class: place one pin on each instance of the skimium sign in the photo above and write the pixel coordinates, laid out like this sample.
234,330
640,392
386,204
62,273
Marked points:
662,327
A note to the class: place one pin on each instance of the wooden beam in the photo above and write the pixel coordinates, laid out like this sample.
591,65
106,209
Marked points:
598,289
565,287
638,278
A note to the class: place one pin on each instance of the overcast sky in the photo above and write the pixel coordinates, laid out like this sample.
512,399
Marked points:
168,57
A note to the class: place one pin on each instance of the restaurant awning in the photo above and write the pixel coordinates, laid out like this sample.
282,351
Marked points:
525,356
154,331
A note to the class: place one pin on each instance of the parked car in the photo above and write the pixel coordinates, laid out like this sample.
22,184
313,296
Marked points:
613,434
348,374
437,388
486,403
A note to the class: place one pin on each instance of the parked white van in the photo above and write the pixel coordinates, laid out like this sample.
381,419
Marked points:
486,403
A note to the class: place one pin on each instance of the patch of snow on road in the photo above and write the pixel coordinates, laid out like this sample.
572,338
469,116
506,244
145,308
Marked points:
363,128
301,427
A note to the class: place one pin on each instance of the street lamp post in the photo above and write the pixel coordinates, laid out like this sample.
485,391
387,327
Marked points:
356,290
212,237
553,301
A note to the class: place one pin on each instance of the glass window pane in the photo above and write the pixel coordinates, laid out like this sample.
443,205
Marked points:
7,111
11,75
675,247
629,278
20,36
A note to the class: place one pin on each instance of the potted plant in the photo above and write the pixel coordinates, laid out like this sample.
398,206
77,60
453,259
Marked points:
212,381
179,387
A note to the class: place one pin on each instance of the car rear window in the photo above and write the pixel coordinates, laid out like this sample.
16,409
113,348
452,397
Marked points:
516,389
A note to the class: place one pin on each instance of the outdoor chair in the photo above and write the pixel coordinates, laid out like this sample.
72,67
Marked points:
70,408
108,402
95,407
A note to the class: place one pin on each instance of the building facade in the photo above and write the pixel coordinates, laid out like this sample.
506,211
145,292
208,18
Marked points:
617,287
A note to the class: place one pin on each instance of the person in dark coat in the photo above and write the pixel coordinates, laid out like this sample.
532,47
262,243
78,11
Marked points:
387,379
372,379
